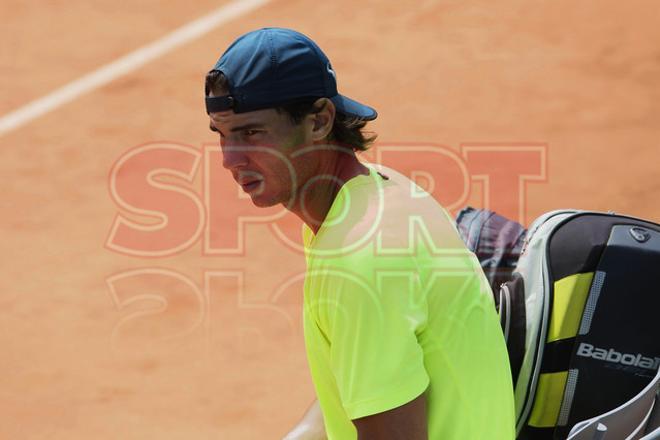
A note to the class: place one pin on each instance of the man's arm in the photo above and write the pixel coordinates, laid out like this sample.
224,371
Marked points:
407,422
310,427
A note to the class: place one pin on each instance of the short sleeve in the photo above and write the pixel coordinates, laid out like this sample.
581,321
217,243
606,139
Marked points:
372,321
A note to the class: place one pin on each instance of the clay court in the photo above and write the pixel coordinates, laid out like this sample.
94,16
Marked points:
110,331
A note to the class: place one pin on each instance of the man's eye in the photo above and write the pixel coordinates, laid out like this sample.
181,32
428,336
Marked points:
250,132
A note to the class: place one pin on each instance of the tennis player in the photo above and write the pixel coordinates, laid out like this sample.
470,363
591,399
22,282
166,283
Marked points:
401,333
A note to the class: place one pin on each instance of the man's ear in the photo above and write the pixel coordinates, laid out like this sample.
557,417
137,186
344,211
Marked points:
322,119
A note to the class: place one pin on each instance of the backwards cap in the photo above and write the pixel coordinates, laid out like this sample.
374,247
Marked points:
273,66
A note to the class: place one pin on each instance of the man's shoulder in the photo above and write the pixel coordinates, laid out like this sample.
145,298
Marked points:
388,211
410,213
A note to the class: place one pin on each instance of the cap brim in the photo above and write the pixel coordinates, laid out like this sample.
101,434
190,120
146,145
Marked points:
350,107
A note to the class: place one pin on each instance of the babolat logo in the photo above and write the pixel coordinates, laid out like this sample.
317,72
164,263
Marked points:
629,359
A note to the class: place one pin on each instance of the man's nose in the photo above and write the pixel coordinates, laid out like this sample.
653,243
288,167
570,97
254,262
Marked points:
234,157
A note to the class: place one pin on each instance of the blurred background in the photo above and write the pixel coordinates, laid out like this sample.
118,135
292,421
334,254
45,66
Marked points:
143,296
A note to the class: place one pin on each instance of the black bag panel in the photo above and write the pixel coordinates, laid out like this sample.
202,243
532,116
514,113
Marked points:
619,352
557,355
534,433
513,320
577,244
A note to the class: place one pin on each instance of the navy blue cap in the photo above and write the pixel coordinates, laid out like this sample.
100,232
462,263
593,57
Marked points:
273,66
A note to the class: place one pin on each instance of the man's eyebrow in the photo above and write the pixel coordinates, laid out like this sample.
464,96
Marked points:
238,128
248,126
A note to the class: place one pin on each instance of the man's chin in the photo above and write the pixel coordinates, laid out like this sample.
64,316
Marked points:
260,201
264,202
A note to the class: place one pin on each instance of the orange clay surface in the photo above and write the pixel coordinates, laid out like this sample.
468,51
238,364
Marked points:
193,344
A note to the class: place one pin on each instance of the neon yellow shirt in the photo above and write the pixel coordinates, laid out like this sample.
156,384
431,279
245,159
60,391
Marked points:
395,306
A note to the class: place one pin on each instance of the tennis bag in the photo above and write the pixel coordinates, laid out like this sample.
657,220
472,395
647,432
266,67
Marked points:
581,316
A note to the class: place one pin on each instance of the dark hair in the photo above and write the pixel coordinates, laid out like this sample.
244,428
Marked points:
346,130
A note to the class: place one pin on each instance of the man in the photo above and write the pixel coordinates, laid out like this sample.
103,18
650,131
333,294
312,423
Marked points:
401,335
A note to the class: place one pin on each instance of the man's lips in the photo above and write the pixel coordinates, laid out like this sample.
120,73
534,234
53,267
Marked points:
250,185
248,179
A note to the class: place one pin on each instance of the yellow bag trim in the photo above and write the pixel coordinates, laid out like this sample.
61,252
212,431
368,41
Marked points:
547,403
570,296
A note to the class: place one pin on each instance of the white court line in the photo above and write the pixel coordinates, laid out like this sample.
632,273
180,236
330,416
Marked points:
126,64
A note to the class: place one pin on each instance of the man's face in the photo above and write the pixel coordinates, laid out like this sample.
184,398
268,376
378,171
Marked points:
257,149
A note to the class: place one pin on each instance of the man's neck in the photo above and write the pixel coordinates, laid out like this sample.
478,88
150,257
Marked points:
321,195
